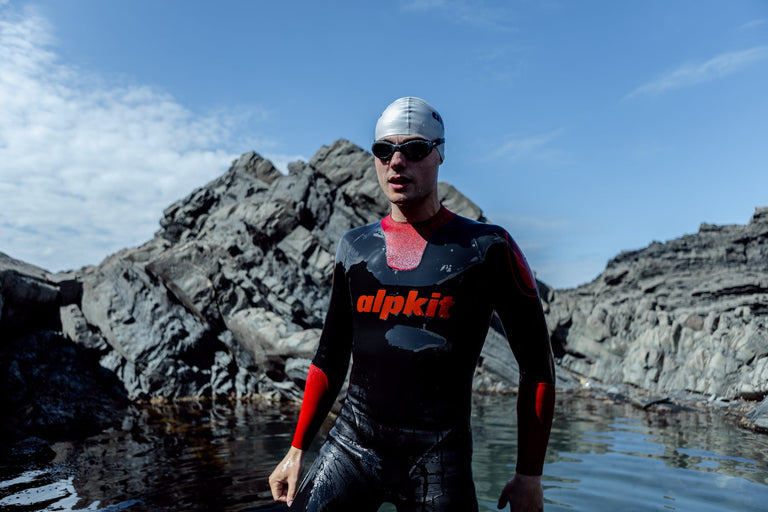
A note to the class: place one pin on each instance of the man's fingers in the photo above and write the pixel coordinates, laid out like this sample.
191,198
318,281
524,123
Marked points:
278,488
292,489
504,497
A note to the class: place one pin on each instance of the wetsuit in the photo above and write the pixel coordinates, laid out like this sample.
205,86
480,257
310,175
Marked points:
412,304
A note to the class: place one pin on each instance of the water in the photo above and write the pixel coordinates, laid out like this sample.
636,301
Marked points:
602,457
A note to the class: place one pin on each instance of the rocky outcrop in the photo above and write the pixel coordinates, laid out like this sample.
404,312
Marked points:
689,314
228,298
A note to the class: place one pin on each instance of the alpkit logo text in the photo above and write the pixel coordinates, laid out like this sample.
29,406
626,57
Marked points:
436,305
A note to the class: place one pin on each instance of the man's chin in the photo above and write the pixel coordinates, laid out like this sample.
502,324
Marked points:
403,203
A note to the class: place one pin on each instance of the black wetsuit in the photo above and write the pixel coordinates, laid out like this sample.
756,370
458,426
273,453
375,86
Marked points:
412,305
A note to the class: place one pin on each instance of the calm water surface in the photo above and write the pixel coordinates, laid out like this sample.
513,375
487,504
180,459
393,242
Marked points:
602,457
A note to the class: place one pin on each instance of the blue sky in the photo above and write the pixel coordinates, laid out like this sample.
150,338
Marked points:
585,128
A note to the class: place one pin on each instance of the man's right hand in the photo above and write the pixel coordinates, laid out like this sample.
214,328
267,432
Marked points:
284,479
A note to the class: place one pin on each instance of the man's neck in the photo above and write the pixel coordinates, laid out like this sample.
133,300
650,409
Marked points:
415,214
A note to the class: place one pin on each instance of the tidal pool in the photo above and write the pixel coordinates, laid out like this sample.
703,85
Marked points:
205,456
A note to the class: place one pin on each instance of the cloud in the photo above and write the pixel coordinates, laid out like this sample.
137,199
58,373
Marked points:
465,12
87,168
534,146
694,73
754,23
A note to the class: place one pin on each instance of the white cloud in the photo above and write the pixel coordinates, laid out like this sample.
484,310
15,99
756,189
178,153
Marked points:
86,168
533,146
422,5
464,12
694,73
754,23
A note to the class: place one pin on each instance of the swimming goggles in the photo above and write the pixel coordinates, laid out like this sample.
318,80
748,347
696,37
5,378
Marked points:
414,150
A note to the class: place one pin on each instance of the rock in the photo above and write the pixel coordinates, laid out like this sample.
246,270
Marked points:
757,418
688,314
229,297
163,347
29,299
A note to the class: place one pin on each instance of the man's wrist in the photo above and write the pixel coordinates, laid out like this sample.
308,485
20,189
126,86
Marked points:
295,453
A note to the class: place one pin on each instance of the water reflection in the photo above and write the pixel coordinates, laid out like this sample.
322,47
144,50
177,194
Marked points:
606,456
602,456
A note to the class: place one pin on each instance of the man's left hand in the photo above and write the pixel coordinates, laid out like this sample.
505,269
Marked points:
523,493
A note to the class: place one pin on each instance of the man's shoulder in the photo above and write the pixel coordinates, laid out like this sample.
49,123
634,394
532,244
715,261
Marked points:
480,231
359,232
360,235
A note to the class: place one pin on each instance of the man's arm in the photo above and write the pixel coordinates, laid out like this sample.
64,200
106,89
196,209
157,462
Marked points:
519,308
324,380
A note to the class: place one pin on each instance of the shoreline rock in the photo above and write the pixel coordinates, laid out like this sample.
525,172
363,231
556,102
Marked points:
689,314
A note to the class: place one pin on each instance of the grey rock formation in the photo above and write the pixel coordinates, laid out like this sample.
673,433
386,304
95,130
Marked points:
689,314
229,297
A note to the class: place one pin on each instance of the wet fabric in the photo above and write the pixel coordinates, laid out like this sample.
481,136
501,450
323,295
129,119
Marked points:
364,464
415,333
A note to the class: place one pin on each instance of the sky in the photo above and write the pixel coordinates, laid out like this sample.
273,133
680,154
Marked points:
584,128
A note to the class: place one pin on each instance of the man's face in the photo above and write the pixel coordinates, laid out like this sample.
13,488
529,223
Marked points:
407,183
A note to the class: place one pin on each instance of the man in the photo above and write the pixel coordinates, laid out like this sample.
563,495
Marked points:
411,301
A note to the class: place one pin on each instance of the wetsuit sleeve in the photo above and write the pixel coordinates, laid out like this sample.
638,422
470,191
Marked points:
329,365
517,303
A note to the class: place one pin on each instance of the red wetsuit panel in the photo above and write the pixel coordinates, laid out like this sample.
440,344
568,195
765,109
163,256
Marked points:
406,242
535,409
315,397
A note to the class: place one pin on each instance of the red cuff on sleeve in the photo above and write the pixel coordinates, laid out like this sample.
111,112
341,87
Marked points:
315,391
535,409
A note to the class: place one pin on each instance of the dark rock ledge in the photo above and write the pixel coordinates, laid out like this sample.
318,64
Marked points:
227,300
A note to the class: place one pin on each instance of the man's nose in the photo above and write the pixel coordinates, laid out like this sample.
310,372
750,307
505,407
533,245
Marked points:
398,159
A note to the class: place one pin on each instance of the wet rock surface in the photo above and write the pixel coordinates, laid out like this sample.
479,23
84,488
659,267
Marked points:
228,299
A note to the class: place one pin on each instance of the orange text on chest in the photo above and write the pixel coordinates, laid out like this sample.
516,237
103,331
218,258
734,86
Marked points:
412,305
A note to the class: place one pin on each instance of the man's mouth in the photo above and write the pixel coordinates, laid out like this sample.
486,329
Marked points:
398,183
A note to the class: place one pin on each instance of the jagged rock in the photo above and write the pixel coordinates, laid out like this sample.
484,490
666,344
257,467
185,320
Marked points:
230,295
164,349
74,326
689,314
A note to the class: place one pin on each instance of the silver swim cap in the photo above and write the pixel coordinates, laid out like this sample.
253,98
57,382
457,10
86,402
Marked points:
411,116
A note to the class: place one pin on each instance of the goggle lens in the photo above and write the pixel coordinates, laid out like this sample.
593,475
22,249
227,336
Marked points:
413,150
